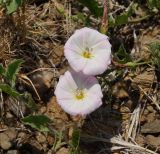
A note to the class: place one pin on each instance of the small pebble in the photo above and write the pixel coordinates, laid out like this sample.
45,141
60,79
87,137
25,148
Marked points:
63,151
12,152
11,133
50,140
150,108
41,138
5,143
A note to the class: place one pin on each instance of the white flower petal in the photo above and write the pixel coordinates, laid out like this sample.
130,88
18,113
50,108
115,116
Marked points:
95,66
76,61
91,36
75,42
93,87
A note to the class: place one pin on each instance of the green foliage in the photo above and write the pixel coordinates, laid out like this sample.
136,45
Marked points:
122,18
75,138
75,142
155,53
39,122
122,55
153,5
9,75
27,98
11,5
10,91
58,140
12,70
2,70
92,5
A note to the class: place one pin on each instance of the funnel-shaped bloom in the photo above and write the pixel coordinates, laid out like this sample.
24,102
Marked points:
78,94
88,51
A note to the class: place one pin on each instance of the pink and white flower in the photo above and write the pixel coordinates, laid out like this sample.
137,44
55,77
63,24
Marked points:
78,94
88,51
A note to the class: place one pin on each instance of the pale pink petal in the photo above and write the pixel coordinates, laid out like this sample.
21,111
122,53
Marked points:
76,61
76,42
95,66
80,107
66,86
92,37
102,45
93,87
86,106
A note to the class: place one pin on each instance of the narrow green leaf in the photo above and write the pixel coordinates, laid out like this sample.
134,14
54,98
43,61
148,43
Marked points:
13,5
12,70
10,91
2,70
75,138
39,122
92,5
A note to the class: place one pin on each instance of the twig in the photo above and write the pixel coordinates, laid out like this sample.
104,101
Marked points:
24,77
38,70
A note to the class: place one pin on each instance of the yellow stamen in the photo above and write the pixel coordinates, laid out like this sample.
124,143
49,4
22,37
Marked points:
86,54
79,95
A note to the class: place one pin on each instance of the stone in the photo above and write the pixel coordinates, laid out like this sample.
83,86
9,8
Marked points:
5,143
41,138
150,108
12,152
63,151
153,141
151,127
11,133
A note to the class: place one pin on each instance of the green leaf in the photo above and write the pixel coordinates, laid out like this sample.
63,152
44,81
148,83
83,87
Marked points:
92,5
75,138
121,19
13,5
10,91
39,122
122,55
12,70
2,70
27,98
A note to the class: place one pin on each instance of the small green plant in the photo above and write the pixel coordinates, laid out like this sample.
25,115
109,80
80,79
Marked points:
8,81
153,5
11,5
155,53
9,78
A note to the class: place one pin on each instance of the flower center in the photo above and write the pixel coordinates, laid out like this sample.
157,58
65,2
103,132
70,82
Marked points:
87,54
79,95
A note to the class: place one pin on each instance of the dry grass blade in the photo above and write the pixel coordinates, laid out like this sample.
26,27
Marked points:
24,77
118,141
134,122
